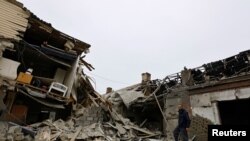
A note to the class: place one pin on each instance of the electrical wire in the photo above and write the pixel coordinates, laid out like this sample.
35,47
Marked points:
104,78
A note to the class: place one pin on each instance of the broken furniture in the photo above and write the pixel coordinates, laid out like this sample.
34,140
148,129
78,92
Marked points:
58,88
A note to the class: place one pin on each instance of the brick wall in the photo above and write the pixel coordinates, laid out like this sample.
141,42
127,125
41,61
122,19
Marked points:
90,115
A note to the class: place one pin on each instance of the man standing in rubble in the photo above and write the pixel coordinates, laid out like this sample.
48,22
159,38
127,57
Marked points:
183,124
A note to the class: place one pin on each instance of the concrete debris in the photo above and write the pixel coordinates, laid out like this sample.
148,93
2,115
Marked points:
40,78
120,129
126,96
98,121
43,134
48,130
46,96
15,133
3,130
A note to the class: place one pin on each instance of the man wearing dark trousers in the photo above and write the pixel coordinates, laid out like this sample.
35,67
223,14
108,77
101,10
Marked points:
183,125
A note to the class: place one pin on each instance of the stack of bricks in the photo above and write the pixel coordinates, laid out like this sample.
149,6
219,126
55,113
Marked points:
90,115
199,128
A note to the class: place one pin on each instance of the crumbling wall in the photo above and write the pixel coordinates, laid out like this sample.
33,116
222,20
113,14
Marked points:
14,20
203,107
89,115
205,110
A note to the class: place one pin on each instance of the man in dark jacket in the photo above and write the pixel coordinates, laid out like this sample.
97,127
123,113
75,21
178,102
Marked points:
183,124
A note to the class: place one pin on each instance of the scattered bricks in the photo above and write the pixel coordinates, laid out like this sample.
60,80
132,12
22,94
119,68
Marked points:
92,114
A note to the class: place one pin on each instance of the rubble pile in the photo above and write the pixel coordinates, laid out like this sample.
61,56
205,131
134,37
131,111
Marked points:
113,127
44,92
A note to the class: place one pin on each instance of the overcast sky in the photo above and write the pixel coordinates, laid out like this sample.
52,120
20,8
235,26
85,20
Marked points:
129,37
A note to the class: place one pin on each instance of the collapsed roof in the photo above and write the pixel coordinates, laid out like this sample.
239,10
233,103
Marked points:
42,83
19,23
40,62
138,101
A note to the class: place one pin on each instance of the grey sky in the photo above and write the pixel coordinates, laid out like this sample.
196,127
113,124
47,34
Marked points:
129,37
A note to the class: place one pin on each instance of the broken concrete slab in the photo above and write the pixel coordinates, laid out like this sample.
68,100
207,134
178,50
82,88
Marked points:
128,95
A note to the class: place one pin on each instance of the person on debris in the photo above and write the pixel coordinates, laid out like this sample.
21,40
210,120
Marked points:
183,124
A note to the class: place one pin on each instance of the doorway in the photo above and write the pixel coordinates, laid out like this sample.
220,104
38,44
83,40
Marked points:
235,112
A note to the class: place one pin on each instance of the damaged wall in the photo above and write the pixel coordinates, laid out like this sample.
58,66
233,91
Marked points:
205,105
90,115
13,20
203,108
38,67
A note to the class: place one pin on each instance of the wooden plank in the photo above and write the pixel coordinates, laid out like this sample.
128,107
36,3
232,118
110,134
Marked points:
11,6
8,30
141,130
7,17
12,26
13,13
10,100
11,37
11,19
5,31
143,122
93,100
76,134
7,34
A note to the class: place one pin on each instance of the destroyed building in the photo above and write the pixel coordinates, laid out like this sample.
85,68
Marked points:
44,92
38,67
214,93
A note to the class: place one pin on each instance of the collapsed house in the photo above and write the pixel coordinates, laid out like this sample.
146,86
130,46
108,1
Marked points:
44,92
214,93
40,67
45,95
